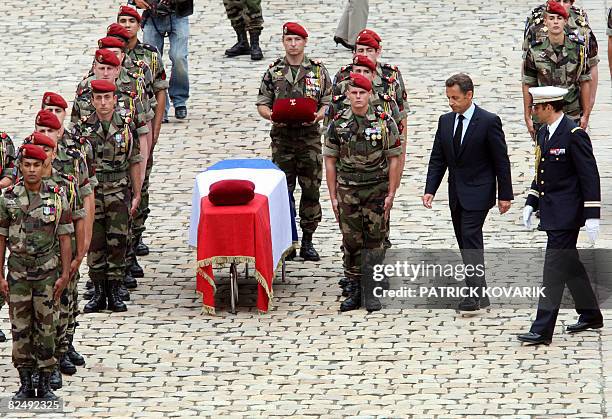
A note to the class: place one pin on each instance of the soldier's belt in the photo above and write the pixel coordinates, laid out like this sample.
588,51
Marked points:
363,177
111,176
33,261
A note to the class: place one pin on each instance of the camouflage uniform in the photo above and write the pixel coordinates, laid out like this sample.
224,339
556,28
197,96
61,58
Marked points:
150,55
296,150
130,92
577,25
7,160
562,66
244,14
32,223
115,151
361,146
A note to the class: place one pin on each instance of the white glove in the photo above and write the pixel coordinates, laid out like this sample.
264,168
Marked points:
592,228
527,211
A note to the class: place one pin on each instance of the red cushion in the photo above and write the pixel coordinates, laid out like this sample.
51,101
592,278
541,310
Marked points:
300,109
231,192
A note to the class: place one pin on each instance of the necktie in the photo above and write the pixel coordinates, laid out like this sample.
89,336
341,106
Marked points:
457,136
546,135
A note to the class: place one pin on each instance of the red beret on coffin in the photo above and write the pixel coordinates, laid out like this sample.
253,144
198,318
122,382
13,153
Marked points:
231,192
300,109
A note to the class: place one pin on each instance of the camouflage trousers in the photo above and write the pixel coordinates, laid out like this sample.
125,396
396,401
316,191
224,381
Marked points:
33,316
297,152
138,224
244,14
109,241
362,223
66,318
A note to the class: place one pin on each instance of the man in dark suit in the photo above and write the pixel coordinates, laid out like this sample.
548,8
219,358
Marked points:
469,143
566,190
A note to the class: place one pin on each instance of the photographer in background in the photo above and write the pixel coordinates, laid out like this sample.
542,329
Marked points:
170,18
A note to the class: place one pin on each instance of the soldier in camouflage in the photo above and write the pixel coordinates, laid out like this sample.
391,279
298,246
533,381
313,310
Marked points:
34,219
245,15
130,19
67,167
362,151
116,144
577,26
7,165
296,148
558,60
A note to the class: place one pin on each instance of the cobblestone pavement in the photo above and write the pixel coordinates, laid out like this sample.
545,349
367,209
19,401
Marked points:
165,358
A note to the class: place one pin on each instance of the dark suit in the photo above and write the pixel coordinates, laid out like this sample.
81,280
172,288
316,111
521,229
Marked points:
566,190
481,164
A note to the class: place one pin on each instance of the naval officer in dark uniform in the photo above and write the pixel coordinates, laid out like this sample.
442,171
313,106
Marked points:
566,191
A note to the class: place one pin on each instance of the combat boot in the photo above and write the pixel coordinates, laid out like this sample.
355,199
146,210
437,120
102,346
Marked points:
256,53
129,281
123,293
307,250
135,269
55,379
76,358
98,301
89,285
65,366
370,301
2,337
241,47
353,301
140,249
26,391
114,302
44,391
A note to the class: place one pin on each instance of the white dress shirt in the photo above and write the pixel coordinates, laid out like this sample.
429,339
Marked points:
468,114
553,127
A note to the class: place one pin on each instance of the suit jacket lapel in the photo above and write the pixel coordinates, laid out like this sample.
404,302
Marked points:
470,129
553,138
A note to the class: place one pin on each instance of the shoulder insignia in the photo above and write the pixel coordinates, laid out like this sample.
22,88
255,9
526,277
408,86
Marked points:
574,37
338,98
385,97
68,177
346,68
575,129
275,63
392,67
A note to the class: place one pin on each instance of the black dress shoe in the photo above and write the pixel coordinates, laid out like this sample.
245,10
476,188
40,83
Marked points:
342,42
534,339
582,326
2,337
468,304
180,112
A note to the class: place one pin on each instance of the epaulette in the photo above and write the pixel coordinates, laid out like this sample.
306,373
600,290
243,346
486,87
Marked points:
141,64
150,47
346,67
385,97
69,178
338,98
382,115
390,79
275,63
316,62
56,189
73,152
575,129
535,43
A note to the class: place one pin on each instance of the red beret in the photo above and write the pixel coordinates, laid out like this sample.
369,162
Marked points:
117,31
357,80
31,151
105,56
555,8
111,42
38,138
129,11
296,110
231,192
292,28
46,118
102,86
364,61
371,32
53,99
368,40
